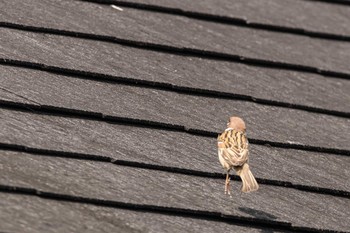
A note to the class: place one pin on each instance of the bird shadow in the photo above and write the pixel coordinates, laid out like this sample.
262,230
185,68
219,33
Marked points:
259,214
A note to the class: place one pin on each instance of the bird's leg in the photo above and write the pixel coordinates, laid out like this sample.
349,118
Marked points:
227,184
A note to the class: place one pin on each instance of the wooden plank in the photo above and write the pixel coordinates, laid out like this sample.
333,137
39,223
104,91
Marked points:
313,16
285,86
286,125
32,214
184,32
166,148
141,186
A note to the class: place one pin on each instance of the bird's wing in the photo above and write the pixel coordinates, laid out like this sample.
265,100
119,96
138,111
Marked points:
235,150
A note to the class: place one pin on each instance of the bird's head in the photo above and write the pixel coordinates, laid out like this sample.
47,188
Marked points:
236,123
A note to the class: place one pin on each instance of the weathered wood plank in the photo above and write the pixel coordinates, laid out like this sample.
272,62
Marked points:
285,86
140,186
182,32
31,214
313,16
286,125
168,148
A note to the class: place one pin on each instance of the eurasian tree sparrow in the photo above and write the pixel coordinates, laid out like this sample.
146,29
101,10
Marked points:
233,153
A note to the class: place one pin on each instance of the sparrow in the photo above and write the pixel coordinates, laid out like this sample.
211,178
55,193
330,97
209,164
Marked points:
233,153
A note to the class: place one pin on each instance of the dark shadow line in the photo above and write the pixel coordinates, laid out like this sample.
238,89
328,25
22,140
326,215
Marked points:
182,51
228,20
97,116
104,78
336,2
172,211
176,170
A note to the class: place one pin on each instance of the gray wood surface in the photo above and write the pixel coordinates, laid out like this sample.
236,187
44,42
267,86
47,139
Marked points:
40,215
313,16
183,32
285,125
104,181
286,86
168,148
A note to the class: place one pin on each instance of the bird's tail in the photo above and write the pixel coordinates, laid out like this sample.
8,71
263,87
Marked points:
249,183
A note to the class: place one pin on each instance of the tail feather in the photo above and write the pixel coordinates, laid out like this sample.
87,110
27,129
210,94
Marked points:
248,180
